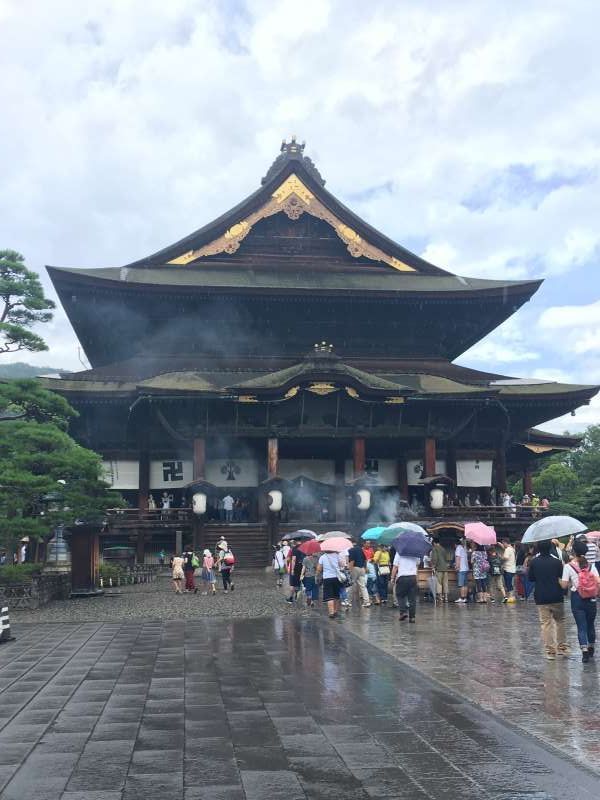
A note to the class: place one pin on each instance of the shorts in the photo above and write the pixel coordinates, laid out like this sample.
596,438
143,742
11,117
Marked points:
462,579
178,575
295,581
481,584
331,589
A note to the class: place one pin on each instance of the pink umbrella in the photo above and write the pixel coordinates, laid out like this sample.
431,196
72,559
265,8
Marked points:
592,535
480,533
336,544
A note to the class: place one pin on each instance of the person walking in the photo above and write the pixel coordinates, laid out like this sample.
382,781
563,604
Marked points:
279,565
225,565
495,578
404,581
308,576
207,574
509,569
190,564
440,564
177,572
329,570
357,563
383,566
481,568
461,565
583,581
228,503
545,572
296,559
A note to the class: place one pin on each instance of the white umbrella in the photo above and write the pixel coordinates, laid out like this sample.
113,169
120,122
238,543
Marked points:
552,528
332,535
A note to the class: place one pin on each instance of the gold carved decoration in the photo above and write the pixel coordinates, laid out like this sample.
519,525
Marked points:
541,448
247,398
321,388
394,400
292,198
352,392
291,392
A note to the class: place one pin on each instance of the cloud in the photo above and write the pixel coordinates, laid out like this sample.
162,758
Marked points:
466,130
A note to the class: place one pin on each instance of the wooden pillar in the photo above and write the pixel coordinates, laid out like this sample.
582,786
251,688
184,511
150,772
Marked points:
140,547
197,533
272,457
85,560
359,456
429,457
199,468
451,461
402,477
178,542
143,480
527,480
340,490
501,485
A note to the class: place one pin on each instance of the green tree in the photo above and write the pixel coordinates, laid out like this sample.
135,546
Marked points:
585,460
22,305
46,478
555,481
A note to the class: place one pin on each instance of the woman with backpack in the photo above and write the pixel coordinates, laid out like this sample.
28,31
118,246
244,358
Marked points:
583,580
481,568
191,564
225,564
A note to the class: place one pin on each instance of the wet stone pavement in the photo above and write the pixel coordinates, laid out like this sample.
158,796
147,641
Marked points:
261,709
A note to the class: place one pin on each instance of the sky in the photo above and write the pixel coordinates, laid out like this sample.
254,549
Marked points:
467,131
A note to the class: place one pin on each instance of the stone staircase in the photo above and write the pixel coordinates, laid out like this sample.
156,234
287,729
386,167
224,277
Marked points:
249,542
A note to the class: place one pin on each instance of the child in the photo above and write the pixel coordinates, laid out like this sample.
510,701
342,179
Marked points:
208,576
279,565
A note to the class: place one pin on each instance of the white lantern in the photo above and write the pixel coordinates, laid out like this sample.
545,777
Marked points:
363,499
436,498
199,503
275,500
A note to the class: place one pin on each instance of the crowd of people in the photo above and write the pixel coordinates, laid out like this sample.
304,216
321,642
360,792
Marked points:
189,566
376,575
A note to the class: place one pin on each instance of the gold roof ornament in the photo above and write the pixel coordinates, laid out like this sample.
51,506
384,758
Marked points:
293,198
291,392
247,398
322,388
352,392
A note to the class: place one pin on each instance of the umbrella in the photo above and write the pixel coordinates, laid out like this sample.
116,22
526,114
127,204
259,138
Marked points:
592,535
336,544
552,528
411,545
480,533
373,534
399,529
333,535
310,547
302,535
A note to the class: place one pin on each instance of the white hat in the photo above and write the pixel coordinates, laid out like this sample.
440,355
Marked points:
206,553
222,545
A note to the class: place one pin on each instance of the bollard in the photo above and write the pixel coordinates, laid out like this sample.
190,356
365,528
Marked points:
5,635
101,582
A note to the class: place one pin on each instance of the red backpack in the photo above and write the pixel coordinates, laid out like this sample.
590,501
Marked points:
587,585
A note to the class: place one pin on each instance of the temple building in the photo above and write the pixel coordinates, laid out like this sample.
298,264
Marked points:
289,344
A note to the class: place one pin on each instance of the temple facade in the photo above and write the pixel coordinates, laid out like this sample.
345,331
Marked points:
289,344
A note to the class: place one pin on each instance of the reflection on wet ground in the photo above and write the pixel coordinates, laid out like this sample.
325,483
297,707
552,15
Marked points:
493,656
258,709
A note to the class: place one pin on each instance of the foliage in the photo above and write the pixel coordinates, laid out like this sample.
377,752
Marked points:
22,305
27,399
46,478
554,481
18,573
113,571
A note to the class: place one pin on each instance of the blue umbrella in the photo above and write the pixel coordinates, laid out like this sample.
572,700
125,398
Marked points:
398,529
373,534
411,545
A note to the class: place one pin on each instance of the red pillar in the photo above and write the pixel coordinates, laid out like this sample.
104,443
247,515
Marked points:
199,469
429,457
272,457
359,456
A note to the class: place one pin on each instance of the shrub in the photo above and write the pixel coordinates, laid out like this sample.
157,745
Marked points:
18,573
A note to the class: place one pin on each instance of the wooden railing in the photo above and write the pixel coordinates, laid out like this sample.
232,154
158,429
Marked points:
492,514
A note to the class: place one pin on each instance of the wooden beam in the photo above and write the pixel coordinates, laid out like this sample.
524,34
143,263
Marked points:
500,464
143,480
429,457
359,456
199,469
272,457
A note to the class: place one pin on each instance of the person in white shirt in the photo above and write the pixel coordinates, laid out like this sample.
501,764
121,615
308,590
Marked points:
576,575
279,565
228,502
509,569
461,565
404,578
329,569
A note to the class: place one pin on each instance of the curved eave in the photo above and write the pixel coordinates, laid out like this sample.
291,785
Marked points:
217,227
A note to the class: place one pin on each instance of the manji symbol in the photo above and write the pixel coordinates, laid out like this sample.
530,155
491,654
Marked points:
231,469
172,471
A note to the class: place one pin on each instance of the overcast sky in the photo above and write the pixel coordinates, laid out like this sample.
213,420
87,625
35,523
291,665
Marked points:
467,131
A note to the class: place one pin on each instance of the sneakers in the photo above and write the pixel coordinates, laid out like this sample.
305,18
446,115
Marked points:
585,656
367,605
505,599
511,600
564,651
551,656
412,619
591,650
460,600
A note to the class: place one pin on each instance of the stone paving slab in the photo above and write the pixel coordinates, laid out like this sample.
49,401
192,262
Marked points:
255,709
